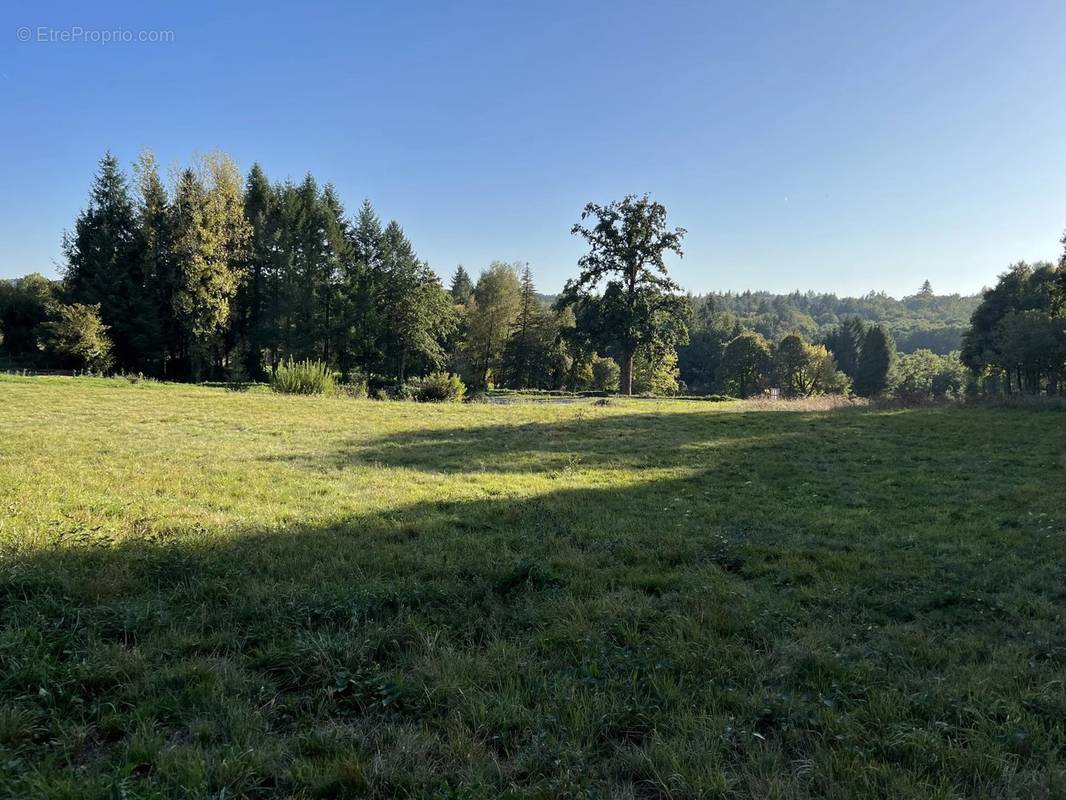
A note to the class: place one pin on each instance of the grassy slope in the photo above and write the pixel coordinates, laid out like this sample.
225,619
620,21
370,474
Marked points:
214,594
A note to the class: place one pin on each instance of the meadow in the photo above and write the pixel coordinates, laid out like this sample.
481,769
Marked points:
217,594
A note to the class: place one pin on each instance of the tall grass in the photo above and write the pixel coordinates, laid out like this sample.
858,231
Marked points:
302,377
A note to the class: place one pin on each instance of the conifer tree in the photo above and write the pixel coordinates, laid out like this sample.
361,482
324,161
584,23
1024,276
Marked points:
157,254
462,287
254,325
845,343
417,313
875,362
104,263
362,288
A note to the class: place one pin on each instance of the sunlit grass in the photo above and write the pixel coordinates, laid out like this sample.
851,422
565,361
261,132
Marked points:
210,592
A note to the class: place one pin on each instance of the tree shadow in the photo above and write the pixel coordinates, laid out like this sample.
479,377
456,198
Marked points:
597,439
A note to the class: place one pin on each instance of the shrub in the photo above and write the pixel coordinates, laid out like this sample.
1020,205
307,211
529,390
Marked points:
354,389
605,373
924,375
77,336
440,387
302,377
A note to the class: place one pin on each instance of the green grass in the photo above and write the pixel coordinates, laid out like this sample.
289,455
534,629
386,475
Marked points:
207,593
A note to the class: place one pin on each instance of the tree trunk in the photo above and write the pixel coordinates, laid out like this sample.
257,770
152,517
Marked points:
626,378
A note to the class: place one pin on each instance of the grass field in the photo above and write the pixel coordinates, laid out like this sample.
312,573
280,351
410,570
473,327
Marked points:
206,593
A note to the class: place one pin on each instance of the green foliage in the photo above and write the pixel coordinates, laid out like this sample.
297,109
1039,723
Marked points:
302,377
462,288
104,265
801,369
1017,337
845,343
77,336
746,365
638,306
24,304
440,387
491,315
918,321
655,372
416,313
875,362
924,375
210,234
604,373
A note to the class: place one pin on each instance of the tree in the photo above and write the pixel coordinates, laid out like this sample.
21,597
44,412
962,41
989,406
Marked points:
24,304
845,343
627,245
416,311
462,287
210,236
802,369
605,372
926,292
655,372
1033,344
104,265
492,313
255,304
363,291
77,336
746,365
711,331
1016,329
875,362
924,375
531,347
154,216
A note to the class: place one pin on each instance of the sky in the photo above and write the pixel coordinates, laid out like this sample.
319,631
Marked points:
843,147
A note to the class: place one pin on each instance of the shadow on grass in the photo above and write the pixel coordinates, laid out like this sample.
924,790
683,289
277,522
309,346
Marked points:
807,589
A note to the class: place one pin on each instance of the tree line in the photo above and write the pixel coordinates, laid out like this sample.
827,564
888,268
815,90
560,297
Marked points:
224,277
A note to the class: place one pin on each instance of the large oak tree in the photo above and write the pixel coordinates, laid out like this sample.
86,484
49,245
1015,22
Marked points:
628,241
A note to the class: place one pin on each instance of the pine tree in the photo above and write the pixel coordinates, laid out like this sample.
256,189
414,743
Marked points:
362,288
157,253
254,325
528,348
338,257
417,313
875,362
845,343
462,287
104,264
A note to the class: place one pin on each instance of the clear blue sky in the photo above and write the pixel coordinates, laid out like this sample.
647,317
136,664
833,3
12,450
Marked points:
832,146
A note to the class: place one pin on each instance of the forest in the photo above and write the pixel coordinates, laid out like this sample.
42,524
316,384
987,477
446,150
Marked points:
224,277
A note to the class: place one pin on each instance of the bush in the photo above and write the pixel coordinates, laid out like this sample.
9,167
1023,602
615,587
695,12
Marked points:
924,375
302,377
440,387
354,389
77,337
605,374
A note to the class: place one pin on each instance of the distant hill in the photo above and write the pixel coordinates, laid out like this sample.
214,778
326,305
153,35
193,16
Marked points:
931,321
923,320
